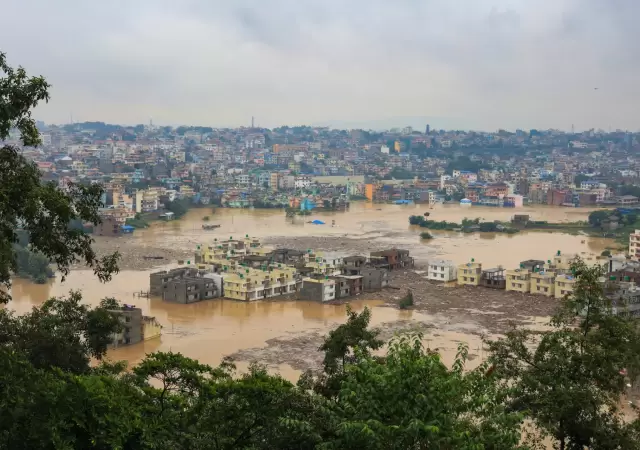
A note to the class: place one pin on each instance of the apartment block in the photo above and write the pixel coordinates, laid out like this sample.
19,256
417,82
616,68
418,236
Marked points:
391,259
442,270
136,327
564,285
159,281
519,280
189,290
469,274
252,284
319,290
634,245
543,283
348,285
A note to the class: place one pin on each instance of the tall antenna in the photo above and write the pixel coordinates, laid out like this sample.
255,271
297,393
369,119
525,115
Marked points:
252,122
71,118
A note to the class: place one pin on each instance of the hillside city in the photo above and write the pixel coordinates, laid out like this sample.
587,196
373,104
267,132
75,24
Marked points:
146,167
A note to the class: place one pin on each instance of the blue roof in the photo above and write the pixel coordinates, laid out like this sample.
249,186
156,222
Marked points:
128,228
317,222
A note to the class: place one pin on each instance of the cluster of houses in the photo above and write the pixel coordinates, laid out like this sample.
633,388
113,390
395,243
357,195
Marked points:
243,269
551,278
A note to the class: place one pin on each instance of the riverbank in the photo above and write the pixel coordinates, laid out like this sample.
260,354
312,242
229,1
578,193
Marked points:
138,254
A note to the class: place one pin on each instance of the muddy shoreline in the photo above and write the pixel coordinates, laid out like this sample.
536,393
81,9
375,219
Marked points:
472,312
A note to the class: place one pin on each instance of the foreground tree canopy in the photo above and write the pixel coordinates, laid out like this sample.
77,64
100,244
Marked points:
27,203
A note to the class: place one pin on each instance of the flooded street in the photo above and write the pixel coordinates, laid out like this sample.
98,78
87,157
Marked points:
210,330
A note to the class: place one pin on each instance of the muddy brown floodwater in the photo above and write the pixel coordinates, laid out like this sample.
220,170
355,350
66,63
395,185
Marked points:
286,334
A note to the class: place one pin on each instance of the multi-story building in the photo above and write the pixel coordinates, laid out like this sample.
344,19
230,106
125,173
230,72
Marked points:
519,280
189,290
158,281
108,226
392,259
634,245
348,285
442,270
273,180
625,298
135,326
469,274
319,290
564,285
253,284
543,282
287,182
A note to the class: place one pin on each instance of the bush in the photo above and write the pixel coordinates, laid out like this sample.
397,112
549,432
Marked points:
137,223
426,235
206,218
407,301
606,253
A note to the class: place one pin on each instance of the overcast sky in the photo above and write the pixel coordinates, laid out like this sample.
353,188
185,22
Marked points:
481,64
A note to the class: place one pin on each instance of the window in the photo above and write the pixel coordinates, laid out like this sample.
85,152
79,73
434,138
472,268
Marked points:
441,275
464,278
472,279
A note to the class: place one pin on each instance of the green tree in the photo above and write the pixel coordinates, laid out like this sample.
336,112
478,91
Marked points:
71,411
178,207
41,209
339,348
570,379
62,333
256,411
597,217
410,399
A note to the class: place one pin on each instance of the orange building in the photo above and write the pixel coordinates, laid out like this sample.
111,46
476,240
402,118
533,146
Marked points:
369,191
277,148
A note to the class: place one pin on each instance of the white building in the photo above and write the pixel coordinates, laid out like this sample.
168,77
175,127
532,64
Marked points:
302,182
578,144
243,178
442,270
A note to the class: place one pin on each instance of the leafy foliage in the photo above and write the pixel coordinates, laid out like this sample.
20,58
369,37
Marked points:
407,301
41,209
62,333
570,379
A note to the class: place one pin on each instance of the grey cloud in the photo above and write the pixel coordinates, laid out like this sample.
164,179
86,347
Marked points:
490,63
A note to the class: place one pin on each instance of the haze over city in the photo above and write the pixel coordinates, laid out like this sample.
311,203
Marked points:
358,64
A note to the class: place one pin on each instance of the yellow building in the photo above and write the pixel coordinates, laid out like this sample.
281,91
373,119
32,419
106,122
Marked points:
519,280
469,274
564,285
186,191
397,146
229,250
253,284
273,180
543,283
561,262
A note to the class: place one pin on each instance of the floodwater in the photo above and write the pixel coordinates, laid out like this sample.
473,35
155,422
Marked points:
210,330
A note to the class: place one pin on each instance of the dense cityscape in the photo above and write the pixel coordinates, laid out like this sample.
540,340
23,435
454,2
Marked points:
145,166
